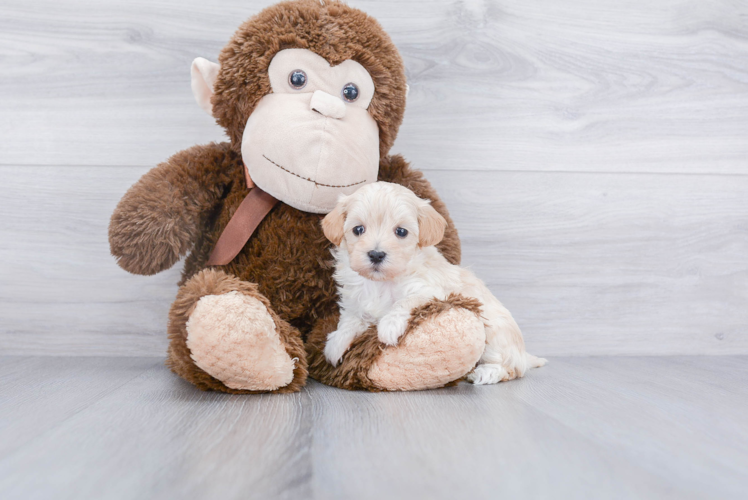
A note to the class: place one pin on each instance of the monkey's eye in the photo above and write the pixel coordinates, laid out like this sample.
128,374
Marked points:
359,230
350,92
401,232
297,79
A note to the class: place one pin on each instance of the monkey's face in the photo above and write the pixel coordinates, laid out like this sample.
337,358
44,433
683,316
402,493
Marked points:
308,121
312,138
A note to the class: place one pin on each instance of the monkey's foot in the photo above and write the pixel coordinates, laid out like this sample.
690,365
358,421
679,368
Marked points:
441,349
233,338
226,337
442,343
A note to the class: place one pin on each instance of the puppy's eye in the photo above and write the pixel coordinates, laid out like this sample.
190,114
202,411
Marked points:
350,92
401,232
297,79
359,230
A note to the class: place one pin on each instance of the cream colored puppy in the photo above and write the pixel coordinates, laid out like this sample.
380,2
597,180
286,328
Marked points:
386,264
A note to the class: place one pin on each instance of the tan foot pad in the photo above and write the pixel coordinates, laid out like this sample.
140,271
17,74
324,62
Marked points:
233,338
442,349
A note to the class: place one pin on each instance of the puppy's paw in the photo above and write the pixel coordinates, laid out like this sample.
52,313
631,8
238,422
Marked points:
535,362
336,346
391,327
488,374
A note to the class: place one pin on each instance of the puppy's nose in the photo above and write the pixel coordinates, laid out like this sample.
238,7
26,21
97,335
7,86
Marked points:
376,256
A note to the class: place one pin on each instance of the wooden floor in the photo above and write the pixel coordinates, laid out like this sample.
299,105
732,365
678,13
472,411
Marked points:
598,427
593,156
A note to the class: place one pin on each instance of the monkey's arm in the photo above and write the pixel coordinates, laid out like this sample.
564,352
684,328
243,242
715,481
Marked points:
158,219
396,169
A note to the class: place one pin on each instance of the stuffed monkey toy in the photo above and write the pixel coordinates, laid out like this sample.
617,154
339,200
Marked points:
311,95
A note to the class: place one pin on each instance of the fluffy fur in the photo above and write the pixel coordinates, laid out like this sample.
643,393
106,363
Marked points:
373,366
386,265
182,206
331,29
233,336
419,362
212,283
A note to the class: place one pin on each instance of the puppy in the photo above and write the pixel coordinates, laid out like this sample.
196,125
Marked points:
386,265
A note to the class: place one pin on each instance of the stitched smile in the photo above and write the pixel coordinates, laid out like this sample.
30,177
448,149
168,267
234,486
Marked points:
312,180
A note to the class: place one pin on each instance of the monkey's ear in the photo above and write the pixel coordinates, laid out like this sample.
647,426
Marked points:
204,74
334,222
431,226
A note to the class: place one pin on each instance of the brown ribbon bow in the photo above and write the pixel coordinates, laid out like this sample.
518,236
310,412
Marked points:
252,210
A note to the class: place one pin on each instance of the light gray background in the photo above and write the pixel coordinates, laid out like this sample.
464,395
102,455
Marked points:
594,156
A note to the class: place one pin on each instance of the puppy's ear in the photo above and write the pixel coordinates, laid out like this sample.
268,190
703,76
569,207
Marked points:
431,226
332,224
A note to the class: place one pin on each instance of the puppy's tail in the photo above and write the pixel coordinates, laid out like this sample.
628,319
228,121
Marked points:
534,361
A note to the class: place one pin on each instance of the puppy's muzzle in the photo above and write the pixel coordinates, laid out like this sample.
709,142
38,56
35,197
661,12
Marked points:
376,256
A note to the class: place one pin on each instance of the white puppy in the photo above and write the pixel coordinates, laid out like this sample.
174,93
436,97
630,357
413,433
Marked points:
386,264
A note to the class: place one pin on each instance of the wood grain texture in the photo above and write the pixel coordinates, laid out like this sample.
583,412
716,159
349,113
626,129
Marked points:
593,154
627,263
165,438
594,157
635,86
62,292
607,427
588,263
38,393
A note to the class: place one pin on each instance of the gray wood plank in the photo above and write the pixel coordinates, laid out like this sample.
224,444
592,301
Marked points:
610,427
499,85
466,442
61,291
665,414
587,263
632,264
38,393
159,437
615,428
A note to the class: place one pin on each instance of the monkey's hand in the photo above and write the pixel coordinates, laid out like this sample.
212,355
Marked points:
158,219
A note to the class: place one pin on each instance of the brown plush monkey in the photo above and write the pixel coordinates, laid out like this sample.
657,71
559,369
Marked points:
311,95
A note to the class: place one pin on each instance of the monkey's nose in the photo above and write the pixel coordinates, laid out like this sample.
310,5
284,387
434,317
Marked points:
376,256
327,104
